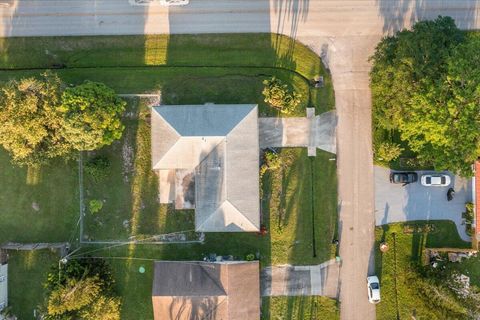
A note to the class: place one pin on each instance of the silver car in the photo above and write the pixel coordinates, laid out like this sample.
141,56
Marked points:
435,180
373,287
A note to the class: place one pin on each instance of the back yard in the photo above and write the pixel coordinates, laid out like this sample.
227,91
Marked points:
299,204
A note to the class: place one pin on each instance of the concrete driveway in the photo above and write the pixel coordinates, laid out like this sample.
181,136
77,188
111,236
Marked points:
394,203
314,131
288,280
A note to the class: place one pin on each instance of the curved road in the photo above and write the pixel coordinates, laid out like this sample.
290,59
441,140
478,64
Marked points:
343,32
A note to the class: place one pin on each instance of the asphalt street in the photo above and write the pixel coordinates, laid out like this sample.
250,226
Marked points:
344,33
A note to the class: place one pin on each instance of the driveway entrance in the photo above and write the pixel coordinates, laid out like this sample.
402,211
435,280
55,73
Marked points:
311,131
287,280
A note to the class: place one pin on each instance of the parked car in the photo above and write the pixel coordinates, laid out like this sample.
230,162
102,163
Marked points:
435,180
373,286
403,177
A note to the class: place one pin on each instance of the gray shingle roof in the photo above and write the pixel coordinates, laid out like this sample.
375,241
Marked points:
220,142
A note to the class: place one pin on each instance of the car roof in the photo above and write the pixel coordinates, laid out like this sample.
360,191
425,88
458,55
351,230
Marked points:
373,279
436,179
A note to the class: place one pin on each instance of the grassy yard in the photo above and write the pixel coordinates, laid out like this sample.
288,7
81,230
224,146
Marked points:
38,204
214,68
187,70
27,272
410,242
300,308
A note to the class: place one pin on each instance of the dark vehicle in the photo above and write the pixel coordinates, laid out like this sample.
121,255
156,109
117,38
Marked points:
403,177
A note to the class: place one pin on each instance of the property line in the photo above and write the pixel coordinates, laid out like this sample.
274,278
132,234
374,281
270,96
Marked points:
314,247
82,205
395,271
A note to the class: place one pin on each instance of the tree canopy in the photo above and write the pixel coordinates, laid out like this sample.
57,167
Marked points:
41,119
426,84
91,116
30,128
81,290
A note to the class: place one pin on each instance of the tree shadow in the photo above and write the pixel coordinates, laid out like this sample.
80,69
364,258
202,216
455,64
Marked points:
401,14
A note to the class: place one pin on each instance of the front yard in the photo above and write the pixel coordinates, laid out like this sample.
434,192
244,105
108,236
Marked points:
402,287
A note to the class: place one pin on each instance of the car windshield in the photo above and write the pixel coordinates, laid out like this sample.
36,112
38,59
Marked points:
443,180
375,285
429,180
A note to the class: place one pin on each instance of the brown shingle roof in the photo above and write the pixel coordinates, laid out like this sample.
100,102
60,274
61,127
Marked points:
206,291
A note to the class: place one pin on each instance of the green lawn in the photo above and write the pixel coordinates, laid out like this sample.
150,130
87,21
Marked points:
214,68
409,251
38,204
27,272
300,308
186,69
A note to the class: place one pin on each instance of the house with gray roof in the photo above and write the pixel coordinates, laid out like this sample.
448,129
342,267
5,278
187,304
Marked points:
207,159
185,290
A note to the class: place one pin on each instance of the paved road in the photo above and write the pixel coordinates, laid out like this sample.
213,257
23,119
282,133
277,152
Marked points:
395,203
287,280
343,32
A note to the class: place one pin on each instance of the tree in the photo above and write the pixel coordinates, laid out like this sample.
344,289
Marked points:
105,308
92,114
276,94
81,290
74,295
387,151
30,127
425,84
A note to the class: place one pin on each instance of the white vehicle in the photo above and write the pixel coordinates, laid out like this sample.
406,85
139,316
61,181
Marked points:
435,180
373,287
159,2
173,2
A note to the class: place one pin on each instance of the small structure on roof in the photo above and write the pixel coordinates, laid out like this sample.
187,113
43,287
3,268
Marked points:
207,158
3,281
184,290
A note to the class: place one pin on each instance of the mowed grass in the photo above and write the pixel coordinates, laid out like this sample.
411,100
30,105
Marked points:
205,59
300,308
27,272
38,204
409,251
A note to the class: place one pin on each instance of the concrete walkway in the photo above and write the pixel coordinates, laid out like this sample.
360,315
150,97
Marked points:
395,203
287,280
313,131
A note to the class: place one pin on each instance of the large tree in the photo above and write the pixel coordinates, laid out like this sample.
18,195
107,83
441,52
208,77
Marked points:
92,113
425,84
41,120
81,290
30,123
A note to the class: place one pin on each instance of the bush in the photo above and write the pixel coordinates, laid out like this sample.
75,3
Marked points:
387,151
250,257
277,95
95,205
97,168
